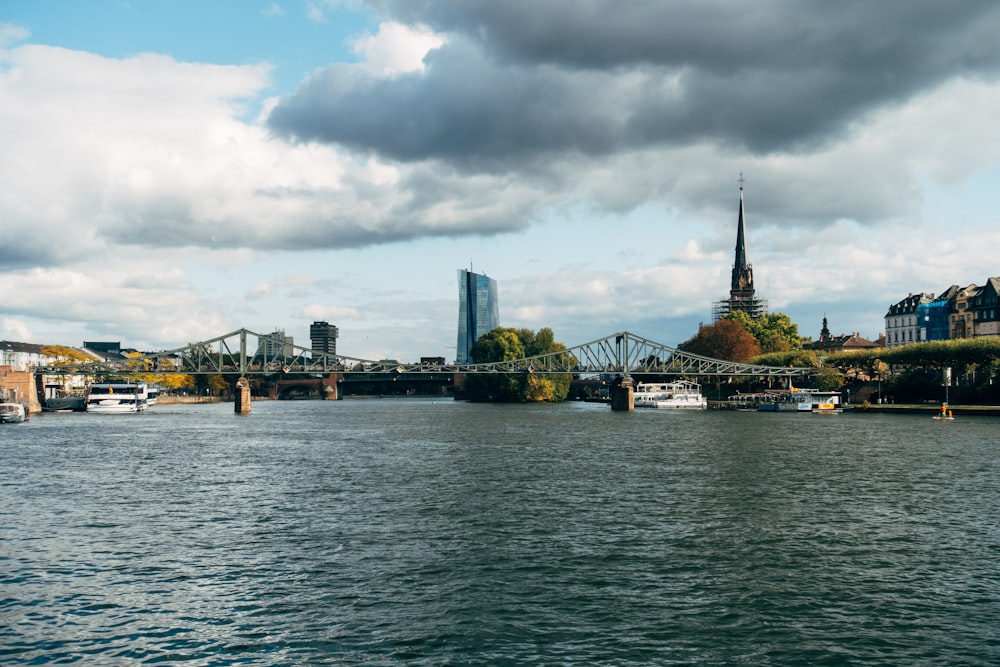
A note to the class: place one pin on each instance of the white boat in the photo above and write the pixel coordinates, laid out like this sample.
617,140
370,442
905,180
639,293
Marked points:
11,413
679,395
116,397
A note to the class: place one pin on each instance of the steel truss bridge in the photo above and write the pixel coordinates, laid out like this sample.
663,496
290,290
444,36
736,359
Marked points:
619,354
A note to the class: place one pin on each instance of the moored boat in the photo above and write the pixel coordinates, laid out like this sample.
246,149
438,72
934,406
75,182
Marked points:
117,397
801,400
11,413
679,395
65,403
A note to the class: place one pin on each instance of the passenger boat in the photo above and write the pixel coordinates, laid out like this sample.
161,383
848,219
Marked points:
679,395
11,413
115,397
801,400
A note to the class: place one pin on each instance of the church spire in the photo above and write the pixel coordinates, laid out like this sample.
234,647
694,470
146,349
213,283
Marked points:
742,278
742,296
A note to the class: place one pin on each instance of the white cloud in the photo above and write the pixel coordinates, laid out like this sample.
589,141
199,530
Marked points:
397,48
146,200
273,10
318,312
11,34
14,329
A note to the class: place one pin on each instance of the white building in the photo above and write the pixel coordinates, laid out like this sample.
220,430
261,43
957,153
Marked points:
902,324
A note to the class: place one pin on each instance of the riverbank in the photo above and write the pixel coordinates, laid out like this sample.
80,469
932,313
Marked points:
928,409
173,400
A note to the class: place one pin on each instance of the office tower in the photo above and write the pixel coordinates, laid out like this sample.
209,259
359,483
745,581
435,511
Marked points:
324,337
478,311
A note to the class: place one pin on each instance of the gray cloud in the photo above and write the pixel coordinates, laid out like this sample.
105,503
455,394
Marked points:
521,79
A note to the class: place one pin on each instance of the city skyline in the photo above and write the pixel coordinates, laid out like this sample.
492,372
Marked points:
175,171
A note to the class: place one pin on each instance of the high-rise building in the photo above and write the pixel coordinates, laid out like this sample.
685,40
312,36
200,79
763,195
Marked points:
324,337
478,311
275,345
741,291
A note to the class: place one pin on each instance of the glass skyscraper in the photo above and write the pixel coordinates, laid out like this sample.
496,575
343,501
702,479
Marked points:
478,311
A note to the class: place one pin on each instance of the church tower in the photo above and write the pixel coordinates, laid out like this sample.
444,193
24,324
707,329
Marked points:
742,295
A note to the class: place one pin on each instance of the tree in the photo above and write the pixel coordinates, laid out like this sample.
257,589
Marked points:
727,339
63,355
506,344
775,331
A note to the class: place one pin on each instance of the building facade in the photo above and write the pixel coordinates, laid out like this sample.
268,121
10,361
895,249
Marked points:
478,311
324,337
20,356
742,296
985,309
902,323
275,346
958,312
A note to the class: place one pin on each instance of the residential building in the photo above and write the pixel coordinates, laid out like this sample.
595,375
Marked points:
902,325
105,350
960,322
324,337
985,309
933,316
478,311
20,356
742,296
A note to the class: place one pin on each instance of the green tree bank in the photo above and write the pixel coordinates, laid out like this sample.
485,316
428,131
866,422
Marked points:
914,373
506,344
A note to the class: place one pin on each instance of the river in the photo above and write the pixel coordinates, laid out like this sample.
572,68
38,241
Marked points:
433,532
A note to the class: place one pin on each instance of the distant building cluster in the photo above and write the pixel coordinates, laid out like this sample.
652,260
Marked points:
958,312
841,343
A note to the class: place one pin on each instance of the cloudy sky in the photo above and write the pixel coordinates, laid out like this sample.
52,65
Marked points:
173,171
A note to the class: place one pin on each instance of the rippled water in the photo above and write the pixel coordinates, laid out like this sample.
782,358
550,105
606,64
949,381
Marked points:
415,531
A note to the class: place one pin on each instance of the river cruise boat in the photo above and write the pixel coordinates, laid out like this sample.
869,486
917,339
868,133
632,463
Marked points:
11,413
679,395
800,400
116,397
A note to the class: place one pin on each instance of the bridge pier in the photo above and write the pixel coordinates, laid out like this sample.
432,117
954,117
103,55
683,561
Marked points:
623,395
242,396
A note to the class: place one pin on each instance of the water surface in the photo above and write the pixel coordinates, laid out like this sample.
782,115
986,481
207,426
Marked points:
419,531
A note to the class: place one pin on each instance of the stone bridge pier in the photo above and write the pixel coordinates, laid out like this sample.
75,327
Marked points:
242,396
623,395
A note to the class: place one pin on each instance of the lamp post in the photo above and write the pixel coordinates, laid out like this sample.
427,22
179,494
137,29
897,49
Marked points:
878,375
946,381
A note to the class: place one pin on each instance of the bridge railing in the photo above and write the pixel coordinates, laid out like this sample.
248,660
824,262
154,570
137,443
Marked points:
621,353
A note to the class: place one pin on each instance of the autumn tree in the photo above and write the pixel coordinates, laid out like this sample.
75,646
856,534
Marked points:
774,331
64,356
726,339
